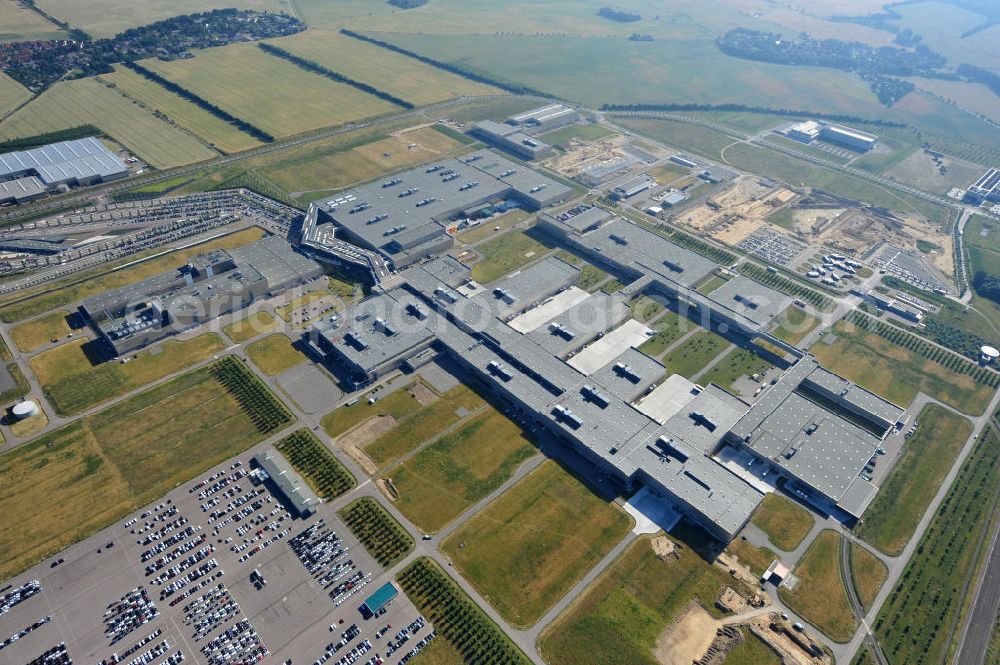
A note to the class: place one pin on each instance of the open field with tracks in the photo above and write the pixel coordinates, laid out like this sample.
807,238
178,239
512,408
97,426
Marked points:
88,101
820,596
19,23
268,92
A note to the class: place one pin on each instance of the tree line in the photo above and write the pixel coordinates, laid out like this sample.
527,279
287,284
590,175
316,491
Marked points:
743,108
513,88
68,134
201,102
317,68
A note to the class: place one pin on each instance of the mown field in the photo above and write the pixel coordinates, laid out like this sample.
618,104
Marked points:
207,127
399,75
105,18
12,93
275,354
267,91
98,469
38,332
916,476
897,374
619,618
72,383
63,292
505,254
915,624
820,596
525,550
794,325
88,101
785,522
734,365
248,327
667,329
868,574
442,480
19,23
695,353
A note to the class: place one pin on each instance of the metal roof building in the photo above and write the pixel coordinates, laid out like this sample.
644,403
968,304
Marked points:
78,162
287,482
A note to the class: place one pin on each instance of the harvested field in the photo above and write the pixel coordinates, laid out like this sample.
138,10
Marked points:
688,639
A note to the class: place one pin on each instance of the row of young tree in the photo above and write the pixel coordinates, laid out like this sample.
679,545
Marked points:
317,68
201,102
513,88
264,409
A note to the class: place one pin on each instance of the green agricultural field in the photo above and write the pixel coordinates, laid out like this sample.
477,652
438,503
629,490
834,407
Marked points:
820,596
585,132
757,559
258,88
734,365
785,522
39,332
442,480
275,354
105,18
667,329
896,373
399,75
213,131
246,328
19,23
619,618
525,550
12,93
868,574
96,470
316,464
695,353
64,292
794,324
423,425
915,624
505,254
916,477
72,383
88,101
753,651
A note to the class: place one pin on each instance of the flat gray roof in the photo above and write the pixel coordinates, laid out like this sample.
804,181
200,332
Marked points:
751,299
630,374
65,161
580,323
295,490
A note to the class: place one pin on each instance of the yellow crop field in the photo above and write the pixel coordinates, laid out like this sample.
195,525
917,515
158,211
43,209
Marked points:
12,93
88,101
267,91
18,23
155,97
396,74
106,18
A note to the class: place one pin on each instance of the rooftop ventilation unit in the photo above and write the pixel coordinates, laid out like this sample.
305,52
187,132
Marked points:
626,372
496,369
618,239
445,294
673,266
671,448
561,331
703,421
596,396
416,310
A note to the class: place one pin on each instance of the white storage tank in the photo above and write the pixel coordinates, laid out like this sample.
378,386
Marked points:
25,409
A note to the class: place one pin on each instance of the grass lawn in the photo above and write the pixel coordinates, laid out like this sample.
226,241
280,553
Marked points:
275,354
645,309
398,404
72,384
667,330
619,618
785,522
29,426
423,425
505,254
752,651
668,172
736,364
585,132
916,477
89,283
915,623
757,559
89,101
256,86
21,388
248,327
868,574
794,325
525,550
714,282
488,227
820,597
39,332
96,470
896,373
695,353
459,469
438,652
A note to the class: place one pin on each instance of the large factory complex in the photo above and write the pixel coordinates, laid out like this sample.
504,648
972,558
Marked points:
30,174
569,360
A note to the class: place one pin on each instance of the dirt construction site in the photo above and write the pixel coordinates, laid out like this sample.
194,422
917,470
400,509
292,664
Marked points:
738,211
582,155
